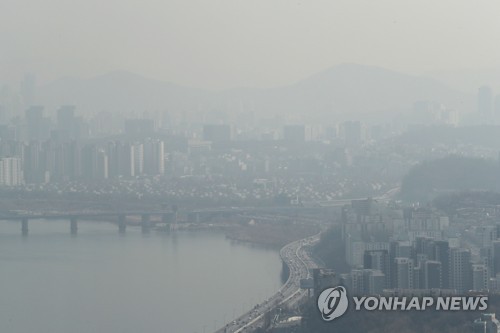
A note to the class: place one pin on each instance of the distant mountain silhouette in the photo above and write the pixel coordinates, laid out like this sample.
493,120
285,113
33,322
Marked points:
341,91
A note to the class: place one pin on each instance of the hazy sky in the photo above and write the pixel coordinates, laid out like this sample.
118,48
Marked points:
226,43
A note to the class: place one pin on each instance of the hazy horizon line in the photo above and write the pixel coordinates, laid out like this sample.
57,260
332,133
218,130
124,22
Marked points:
424,74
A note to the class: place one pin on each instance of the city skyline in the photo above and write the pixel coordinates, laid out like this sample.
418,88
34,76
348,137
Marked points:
255,166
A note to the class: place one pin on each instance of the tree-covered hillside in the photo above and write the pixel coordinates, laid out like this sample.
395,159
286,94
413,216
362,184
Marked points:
450,174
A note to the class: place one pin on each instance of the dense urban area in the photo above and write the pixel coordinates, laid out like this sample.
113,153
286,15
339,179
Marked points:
394,208
193,166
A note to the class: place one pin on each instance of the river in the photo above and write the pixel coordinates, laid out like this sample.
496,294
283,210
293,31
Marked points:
101,281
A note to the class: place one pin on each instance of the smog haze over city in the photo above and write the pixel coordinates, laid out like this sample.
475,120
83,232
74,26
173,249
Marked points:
249,166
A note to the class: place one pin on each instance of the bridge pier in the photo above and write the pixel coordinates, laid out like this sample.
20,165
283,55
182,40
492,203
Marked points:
167,220
24,226
74,225
122,224
145,223
173,226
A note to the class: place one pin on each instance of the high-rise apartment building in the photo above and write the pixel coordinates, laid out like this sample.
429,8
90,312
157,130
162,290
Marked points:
460,269
11,173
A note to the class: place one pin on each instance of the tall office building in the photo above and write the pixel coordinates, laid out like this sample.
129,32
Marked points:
154,157
60,164
32,165
403,273
48,160
441,253
376,282
495,256
480,277
487,234
126,160
95,163
423,246
460,269
398,249
121,159
366,282
357,282
112,153
433,275
139,158
35,123
404,249
378,260
101,166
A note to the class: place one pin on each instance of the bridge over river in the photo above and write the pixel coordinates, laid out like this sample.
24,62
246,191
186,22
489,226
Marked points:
170,218
147,218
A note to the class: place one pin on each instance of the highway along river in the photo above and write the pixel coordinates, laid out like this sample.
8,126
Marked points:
101,281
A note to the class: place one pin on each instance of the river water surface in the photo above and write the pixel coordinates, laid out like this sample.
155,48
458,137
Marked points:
101,281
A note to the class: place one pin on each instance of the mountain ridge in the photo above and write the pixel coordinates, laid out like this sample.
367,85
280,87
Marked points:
360,90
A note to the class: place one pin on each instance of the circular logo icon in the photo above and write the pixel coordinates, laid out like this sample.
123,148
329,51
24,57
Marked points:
332,303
